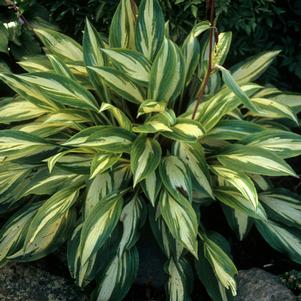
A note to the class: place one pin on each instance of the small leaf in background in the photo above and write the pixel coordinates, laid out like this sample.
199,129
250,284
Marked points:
3,38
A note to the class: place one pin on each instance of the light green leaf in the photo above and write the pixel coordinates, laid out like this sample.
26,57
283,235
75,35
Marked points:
151,106
235,88
222,48
175,177
151,187
181,220
130,62
57,43
150,28
122,29
145,157
166,81
254,160
238,180
120,83
253,67
60,67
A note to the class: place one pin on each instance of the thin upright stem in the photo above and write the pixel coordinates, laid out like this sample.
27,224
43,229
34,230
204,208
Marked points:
201,91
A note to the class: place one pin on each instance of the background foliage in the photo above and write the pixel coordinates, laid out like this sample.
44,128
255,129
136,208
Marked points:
256,25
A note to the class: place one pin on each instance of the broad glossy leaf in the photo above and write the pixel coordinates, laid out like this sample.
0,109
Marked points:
57,43
98,226
193,156
102,162
254,160
92,44
284,240
119,276
130,62
191,49
120,83
149,28
283,206
235,88
238,180
235,200
105,138
166,81
145,157
122,29
181,220
175,177
253,67
221,263
272,109
283,143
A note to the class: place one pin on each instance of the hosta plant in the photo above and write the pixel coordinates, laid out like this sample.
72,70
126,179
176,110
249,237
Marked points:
103,138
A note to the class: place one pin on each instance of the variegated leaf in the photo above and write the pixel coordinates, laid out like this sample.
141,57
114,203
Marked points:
60,67
151,187
181,220
272,109
284,240
98,226
221,263
122,29
105,138
57,43
194,158
132,217
222,47
254,160
102,162
145,157
130,62
92,44
151,106
175,177
239,180
166,81
253,67
235,200
283,206
191,49
120,83
150,28
116,281
235,88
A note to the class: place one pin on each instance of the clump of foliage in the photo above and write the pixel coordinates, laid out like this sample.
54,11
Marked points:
292,280
105,137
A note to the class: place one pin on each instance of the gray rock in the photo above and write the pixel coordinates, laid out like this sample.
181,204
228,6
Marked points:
24,282
259,285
